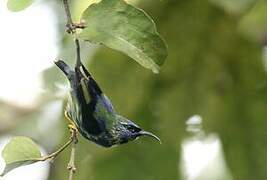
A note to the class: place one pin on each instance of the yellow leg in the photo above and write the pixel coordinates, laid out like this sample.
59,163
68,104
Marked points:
71,125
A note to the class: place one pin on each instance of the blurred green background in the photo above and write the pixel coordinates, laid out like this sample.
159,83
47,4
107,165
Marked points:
216,68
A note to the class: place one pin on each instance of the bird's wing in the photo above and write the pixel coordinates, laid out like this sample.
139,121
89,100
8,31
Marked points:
87,106
95,107
85,79
90,91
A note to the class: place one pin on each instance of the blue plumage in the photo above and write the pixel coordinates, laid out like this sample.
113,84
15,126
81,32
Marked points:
92,112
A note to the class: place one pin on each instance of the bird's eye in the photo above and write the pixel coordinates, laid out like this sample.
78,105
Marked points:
133,128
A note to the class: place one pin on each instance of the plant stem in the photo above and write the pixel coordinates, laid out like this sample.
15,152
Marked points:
71,28
71,165
56,153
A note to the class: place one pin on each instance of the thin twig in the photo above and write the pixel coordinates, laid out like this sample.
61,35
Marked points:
80,25
71,165
56,153
71,28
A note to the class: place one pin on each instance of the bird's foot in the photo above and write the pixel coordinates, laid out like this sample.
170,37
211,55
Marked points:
72,128
74,131
68,117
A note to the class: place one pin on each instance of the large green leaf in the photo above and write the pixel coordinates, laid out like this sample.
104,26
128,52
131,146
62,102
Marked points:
122,27
18,5
20,151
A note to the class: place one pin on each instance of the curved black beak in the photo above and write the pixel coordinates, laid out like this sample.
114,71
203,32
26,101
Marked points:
145,133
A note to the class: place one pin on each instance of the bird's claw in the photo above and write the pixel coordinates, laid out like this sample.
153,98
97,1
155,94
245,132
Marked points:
68,117
73,129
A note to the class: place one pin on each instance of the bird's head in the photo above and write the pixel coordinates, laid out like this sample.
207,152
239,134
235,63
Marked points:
129,131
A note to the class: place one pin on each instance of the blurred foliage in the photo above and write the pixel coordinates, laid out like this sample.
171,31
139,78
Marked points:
234,7
11,115
15,5
253,23
214,69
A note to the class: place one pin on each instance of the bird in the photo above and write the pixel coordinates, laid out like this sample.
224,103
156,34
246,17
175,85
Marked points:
93,114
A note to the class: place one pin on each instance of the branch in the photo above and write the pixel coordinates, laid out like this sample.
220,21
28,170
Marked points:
55,154
69,25
71,28
71,165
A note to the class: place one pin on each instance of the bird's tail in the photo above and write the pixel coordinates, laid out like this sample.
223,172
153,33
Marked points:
65,69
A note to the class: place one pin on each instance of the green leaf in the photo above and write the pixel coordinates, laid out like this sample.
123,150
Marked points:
123,27
20,151
18,5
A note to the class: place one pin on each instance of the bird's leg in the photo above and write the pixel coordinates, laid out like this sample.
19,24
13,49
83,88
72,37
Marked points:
71,125
74,132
